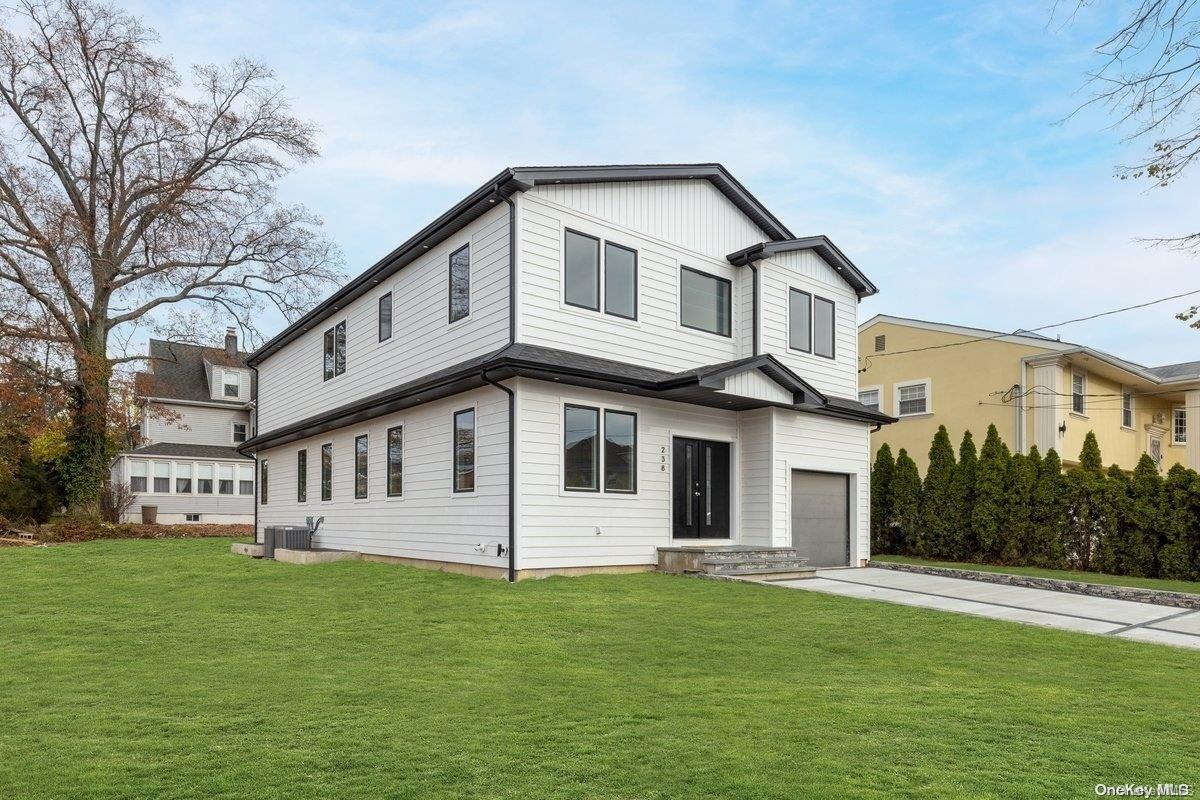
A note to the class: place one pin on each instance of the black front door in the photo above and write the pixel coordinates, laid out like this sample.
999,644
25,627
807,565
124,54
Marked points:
700,489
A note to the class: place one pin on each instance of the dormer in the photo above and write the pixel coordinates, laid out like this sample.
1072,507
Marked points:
229,383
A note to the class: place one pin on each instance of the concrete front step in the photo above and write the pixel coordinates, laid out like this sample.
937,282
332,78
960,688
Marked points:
765,574
756,563
752,553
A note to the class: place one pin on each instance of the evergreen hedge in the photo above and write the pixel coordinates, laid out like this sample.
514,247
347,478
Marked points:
1023,509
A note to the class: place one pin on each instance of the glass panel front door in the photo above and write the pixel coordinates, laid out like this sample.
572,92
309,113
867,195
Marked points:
700,489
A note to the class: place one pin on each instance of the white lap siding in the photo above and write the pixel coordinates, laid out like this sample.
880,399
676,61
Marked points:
291,383
811,442
173,506
184,424
557,528
429,521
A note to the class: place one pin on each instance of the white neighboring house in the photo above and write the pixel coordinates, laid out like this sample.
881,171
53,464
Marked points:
196,408
570,368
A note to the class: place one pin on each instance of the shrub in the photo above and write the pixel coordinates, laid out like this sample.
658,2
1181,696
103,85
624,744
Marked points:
1089,508
29,493
965,474
906,503
938,520
882,473
988,514
1017,532
115,500
1180,554
1047,515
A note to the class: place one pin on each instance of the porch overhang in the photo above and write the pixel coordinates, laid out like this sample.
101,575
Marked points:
711,386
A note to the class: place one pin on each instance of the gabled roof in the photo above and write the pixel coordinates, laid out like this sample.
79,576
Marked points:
177,371
822,246
509,182
1188,370
701,386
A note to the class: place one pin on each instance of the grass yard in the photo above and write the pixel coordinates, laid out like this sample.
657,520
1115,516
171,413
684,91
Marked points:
1061,574
172,669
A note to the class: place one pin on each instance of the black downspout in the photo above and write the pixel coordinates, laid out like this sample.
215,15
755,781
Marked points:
257,466
754,306
512,474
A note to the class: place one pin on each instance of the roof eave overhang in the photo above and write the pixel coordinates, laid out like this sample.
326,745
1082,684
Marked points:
822,246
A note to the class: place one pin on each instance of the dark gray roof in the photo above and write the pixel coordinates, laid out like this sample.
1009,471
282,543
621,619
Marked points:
508,182
187,451
695,386
177,372
822,246
1170,372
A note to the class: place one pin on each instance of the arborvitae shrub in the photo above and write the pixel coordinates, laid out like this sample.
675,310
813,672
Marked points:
1179,557
964,542
906,502
882,473
987,517
1141,521
1048,511
1110,550
1017,529
1089,510
937,500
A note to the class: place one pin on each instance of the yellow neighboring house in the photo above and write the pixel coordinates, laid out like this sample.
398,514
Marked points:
1036,390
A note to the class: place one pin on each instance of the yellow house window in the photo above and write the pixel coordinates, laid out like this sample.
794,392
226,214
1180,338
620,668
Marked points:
1179,426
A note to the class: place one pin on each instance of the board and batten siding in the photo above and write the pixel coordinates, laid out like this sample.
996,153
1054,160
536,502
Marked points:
291,385
429,521
186,424
812,442
807,271
666,236
557,528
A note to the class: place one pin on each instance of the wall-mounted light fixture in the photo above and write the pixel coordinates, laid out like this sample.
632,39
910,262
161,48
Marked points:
1062,429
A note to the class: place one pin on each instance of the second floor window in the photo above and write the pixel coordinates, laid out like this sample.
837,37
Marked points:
334,361
705,302
869,398
1179,426
233,384
385,317
582,270
823,327
239,431
1127,409
912,399
1078,390
460,283
360,467
800,320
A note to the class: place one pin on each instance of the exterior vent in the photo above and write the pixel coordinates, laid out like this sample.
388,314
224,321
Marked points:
880,343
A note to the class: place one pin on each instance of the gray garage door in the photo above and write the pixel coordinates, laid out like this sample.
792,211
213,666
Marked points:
821,517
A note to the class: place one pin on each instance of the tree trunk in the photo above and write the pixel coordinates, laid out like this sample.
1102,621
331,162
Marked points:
85,465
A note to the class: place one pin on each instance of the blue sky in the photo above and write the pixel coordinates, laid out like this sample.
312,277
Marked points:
926,139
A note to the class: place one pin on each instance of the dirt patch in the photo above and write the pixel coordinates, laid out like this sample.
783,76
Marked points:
87,530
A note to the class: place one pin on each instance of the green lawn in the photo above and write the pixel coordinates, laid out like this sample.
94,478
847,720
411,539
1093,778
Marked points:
1061,574
172,669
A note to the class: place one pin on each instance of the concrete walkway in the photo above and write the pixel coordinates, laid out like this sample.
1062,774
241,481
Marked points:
1129,620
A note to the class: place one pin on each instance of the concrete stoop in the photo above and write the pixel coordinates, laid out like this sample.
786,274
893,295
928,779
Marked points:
287,556
247,549
741,562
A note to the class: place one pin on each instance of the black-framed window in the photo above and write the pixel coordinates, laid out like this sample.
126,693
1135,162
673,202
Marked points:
620,451
395,461
334,361
620,281
385,317
239,431
327,471
361,449
824,320
705,302
302,476
464,450
800,320
263,469
581,270
581,450
460,283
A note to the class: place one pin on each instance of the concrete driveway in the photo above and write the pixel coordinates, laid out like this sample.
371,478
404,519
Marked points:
1129,620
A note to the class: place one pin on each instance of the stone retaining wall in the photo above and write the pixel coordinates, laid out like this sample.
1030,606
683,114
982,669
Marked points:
1155,596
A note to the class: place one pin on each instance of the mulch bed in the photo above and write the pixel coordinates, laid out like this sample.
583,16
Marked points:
87,530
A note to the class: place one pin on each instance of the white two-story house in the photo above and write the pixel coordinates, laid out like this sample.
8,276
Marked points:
573,367
196,406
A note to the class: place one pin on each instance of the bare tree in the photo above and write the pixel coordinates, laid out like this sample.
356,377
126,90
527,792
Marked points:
1149,77
124,192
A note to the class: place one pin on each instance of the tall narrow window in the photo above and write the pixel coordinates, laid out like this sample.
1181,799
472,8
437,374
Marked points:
464,450
262,481
800,320
1179,426
246,481
620,451
162,476
137,476
183,479
581,275
1127,409
360,467
1078,389
328,357
395,461
823,325
620,281
204,479
301,476
581,455
339,348
705,302
385,317
327,471
460,283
